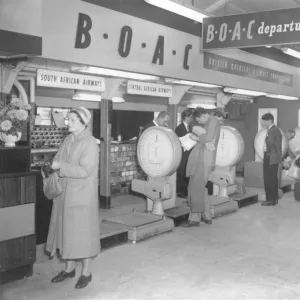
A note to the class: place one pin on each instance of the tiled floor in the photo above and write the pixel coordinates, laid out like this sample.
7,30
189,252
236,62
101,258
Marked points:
251,254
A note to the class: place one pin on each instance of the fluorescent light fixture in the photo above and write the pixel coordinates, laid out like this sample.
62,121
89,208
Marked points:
241,97
206,106
282,97
192,83
118,99
114,73
179,8
291,52
243,92
84,96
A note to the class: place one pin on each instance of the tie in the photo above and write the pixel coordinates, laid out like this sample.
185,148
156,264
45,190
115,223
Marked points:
265,144
188,127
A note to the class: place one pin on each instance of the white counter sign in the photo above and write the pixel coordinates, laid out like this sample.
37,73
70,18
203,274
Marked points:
149,89
72,81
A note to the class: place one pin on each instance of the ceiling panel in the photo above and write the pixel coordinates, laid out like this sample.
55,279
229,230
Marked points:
244,5
261,5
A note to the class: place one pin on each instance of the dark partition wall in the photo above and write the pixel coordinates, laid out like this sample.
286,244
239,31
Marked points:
125,123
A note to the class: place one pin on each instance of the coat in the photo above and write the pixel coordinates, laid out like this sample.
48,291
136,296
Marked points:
196,187
200,164
213,129
75,225
274,145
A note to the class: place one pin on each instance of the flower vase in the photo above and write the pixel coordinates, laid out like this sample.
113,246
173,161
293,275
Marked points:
9,139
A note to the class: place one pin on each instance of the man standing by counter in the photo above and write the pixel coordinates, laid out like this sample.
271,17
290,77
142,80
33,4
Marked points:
162,119
272,159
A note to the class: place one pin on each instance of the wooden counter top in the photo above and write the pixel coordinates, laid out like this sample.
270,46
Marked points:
20,174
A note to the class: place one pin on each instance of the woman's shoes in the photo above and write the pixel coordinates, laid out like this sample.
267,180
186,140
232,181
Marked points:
62,276
83,281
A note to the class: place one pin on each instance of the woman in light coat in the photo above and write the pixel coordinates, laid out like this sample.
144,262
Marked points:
75,226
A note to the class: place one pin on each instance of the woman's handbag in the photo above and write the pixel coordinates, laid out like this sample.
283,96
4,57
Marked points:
294,172
51,185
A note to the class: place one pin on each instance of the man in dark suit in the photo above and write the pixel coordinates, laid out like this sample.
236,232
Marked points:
181,130
272,159
162,119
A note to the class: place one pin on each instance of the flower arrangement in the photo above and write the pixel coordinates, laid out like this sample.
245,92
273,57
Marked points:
13,116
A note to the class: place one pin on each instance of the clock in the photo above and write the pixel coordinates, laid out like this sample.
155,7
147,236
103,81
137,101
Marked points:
230,147
159,152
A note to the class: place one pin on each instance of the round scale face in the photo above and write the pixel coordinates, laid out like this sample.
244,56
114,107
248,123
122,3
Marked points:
260,141
158,152
294,144
230,147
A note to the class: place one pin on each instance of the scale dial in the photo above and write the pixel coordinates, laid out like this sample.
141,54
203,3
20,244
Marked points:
294,144
159,152
230,147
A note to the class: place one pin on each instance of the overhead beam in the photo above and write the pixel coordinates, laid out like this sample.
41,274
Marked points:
217,5
111,86
178,92
9,75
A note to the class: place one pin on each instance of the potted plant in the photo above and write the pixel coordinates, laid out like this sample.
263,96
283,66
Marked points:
13,117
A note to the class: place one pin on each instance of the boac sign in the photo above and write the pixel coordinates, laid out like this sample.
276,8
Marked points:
252,29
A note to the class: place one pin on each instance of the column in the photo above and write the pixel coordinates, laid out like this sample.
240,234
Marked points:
105,137
3,96
173,110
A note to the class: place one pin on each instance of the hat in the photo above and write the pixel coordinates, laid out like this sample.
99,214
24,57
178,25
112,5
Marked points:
84,113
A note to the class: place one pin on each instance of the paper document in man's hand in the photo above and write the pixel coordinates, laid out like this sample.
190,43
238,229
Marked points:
186,142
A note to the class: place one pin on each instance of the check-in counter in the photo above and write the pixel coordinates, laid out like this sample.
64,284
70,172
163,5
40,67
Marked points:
17,218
